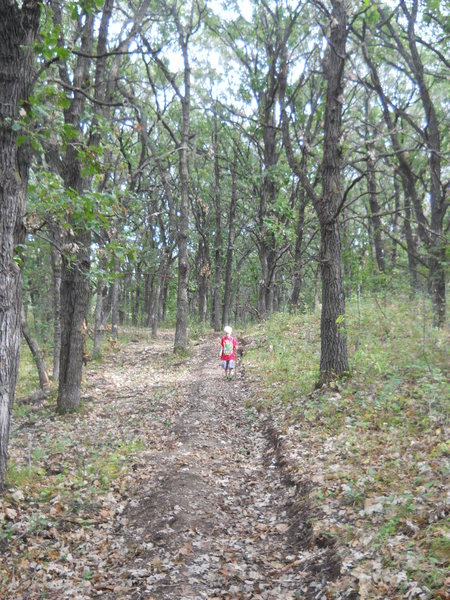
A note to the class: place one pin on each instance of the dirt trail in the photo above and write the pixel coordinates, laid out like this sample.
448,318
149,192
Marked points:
214,516
165,486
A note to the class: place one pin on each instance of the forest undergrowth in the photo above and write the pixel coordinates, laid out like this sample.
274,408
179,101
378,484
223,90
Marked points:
374,446
89,495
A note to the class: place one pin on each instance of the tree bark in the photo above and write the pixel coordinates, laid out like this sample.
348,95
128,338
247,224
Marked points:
334,354
56,291
115,302
161,276
75,290
18,28
230,248
217,303
394,222
203,278
374,207
183,222
410,245
374,213
75,300
99,330
298,271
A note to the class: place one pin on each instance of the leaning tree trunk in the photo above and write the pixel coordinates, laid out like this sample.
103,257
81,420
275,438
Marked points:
44,380
18,27
334,354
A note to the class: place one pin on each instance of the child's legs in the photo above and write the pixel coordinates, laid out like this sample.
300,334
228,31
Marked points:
230,367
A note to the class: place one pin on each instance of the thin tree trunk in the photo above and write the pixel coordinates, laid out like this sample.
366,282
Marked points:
162,274
137,297
115,303
56,290
183,223
230,248
298,275
217,303
203,273
394,223
374,213
99,330
44,380
411,245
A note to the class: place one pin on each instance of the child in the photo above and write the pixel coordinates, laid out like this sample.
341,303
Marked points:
227,354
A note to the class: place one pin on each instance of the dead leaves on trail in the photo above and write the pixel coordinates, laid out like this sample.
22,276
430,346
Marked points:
165,486
162,486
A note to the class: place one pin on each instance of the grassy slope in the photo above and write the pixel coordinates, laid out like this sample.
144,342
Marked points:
375,447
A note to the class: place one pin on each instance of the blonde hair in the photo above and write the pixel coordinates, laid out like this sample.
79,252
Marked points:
228,330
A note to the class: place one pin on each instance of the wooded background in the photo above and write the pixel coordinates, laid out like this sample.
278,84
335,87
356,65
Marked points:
187,163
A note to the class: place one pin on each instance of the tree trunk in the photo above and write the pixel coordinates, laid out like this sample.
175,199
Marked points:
297,277
18,27
183,223
203,273
230,248
217,303
394,222
56,291
75,290
99,330
115,302
262,289
137,297
162,274
333,358
410,244
374,212
334,354
44,380
75,300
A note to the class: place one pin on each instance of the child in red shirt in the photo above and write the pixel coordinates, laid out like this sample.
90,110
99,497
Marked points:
227,354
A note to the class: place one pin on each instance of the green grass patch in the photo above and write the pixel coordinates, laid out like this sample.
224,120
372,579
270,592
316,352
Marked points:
385,426
22,476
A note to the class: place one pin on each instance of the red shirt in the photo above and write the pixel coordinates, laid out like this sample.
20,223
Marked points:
231,356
